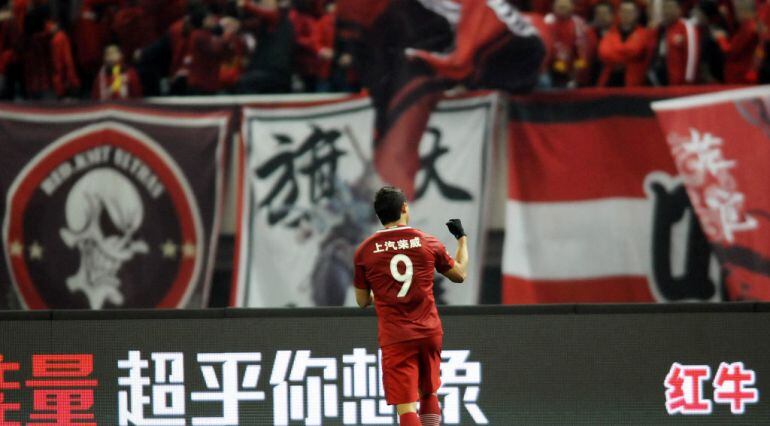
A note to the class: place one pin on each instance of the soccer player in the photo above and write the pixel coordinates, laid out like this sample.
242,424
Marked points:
394,269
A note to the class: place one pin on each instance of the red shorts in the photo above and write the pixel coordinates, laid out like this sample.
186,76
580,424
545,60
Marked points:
411,369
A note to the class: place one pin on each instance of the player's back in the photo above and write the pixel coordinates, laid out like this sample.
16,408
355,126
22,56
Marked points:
398,265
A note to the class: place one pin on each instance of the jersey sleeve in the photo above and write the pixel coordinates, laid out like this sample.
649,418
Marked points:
359,272
442,259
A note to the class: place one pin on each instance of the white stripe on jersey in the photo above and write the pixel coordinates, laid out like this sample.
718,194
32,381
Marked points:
397,228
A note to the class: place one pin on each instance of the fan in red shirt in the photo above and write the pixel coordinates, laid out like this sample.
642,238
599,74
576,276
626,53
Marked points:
624,50
324,37
134,27
305,20
394,268
740,48
91,34
676,48
209,50
46,58
571,46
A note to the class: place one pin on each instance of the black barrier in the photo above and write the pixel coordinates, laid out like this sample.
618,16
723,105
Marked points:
570,364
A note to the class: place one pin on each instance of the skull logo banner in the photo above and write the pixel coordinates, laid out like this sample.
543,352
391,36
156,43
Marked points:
102,192
110,210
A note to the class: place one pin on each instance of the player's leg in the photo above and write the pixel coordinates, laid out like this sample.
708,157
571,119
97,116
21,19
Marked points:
430,411
407,414
399,378
430,380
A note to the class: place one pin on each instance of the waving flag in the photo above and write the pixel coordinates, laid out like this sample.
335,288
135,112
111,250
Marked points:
721,146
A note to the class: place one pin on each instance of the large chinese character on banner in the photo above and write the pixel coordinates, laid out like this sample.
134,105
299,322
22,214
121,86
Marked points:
721,146
109,207
308,184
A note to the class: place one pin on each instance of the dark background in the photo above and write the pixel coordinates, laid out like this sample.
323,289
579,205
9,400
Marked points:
570,364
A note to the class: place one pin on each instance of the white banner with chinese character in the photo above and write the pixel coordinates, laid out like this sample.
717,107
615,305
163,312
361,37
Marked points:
307,185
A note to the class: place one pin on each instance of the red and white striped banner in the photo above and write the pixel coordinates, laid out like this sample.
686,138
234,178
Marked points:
595,210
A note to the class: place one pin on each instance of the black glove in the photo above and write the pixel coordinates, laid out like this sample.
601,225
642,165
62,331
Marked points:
456,228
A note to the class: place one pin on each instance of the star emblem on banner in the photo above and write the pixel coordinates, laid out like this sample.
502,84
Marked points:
188,249
17,249
36,251
169,249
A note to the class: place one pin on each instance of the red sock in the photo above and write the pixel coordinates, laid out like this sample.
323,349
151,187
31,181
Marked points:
430,412
409,419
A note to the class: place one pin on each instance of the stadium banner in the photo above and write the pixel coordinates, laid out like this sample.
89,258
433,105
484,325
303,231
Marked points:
698,366
109,206
307,187
409,52
596,209
721,147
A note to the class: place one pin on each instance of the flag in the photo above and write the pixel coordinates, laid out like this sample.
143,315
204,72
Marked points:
596,210
308,182
415,50
721,147
109,206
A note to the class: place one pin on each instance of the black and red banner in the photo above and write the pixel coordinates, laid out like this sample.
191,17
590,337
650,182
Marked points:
109,206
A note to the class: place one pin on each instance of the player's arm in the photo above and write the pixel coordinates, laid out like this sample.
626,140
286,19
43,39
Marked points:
364,298
459,272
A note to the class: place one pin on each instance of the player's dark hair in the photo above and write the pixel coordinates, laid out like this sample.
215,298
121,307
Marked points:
388,203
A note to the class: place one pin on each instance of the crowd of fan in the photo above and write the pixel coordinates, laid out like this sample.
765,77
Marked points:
117,49
657,42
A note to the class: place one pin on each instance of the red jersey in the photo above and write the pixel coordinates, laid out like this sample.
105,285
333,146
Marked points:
571,46
305,55
397,264
65,77
681,50
324,38
90,35
740,53
631,54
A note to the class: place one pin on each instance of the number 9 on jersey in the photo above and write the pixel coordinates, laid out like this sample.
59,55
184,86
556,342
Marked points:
406,278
